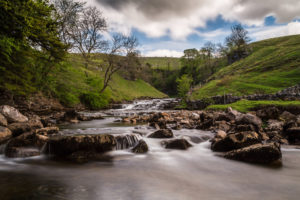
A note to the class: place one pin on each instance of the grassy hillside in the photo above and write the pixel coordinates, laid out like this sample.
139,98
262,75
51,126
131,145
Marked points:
167,63
73,80
273,65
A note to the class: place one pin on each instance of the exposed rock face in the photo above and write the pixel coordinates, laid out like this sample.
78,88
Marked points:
3,121
5,134
163,133
235,141
258,153
141,147
67,145
181,144
12,115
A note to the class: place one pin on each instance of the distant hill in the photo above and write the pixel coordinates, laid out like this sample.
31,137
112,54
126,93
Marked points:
273,65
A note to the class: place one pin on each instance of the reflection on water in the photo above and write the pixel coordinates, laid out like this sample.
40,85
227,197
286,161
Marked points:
159,175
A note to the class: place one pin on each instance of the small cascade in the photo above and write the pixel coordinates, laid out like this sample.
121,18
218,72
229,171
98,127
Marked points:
153,104
127,141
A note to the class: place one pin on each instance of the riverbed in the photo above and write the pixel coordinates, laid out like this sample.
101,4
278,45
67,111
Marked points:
196,173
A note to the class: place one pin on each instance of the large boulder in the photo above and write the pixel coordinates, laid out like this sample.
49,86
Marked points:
235,141
3,121
180,144
12,114
163,133
287,117
141,147
5,134
64,146
258,153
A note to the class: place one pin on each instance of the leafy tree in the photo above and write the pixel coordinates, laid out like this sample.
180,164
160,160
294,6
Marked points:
237,44
184,85
28,40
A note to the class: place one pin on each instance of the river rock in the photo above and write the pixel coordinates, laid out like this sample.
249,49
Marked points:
249,119
293,134
268,113
5,134
21,127
3,121
180,144
221,134
163,133
258,153
66,145
141,147
235,141
12,114
27,141
287,117
47,131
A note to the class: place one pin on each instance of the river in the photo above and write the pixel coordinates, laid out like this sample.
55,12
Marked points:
161,174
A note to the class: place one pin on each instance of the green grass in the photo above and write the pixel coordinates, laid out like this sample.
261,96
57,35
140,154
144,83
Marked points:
246,106
164,63
273,65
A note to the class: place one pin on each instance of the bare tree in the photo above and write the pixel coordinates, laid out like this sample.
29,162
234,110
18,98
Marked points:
120,53
87,34
68,12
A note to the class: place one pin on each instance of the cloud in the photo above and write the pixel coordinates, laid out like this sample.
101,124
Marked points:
163,53
261,33
178,18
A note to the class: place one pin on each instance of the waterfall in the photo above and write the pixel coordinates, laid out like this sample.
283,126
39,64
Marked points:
127,141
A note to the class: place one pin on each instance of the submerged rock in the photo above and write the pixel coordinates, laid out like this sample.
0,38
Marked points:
66,145
163,133
5,134
258,153
181,144
141,147
12,114
235,141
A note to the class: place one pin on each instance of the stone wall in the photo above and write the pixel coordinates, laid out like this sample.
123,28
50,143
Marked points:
291,93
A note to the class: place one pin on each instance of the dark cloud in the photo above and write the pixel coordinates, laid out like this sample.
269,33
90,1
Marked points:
156,9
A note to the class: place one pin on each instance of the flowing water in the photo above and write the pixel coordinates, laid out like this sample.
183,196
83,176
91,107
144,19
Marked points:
161,174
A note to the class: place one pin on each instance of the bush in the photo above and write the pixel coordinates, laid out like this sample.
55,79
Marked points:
95,101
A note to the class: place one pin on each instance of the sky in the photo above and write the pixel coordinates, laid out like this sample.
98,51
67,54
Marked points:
168,27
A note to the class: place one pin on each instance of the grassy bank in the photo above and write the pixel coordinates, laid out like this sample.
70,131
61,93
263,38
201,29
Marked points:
273,65
246,106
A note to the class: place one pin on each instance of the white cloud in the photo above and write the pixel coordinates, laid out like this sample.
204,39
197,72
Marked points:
261,33
163,53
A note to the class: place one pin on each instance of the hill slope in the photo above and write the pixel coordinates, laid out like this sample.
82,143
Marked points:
273,65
